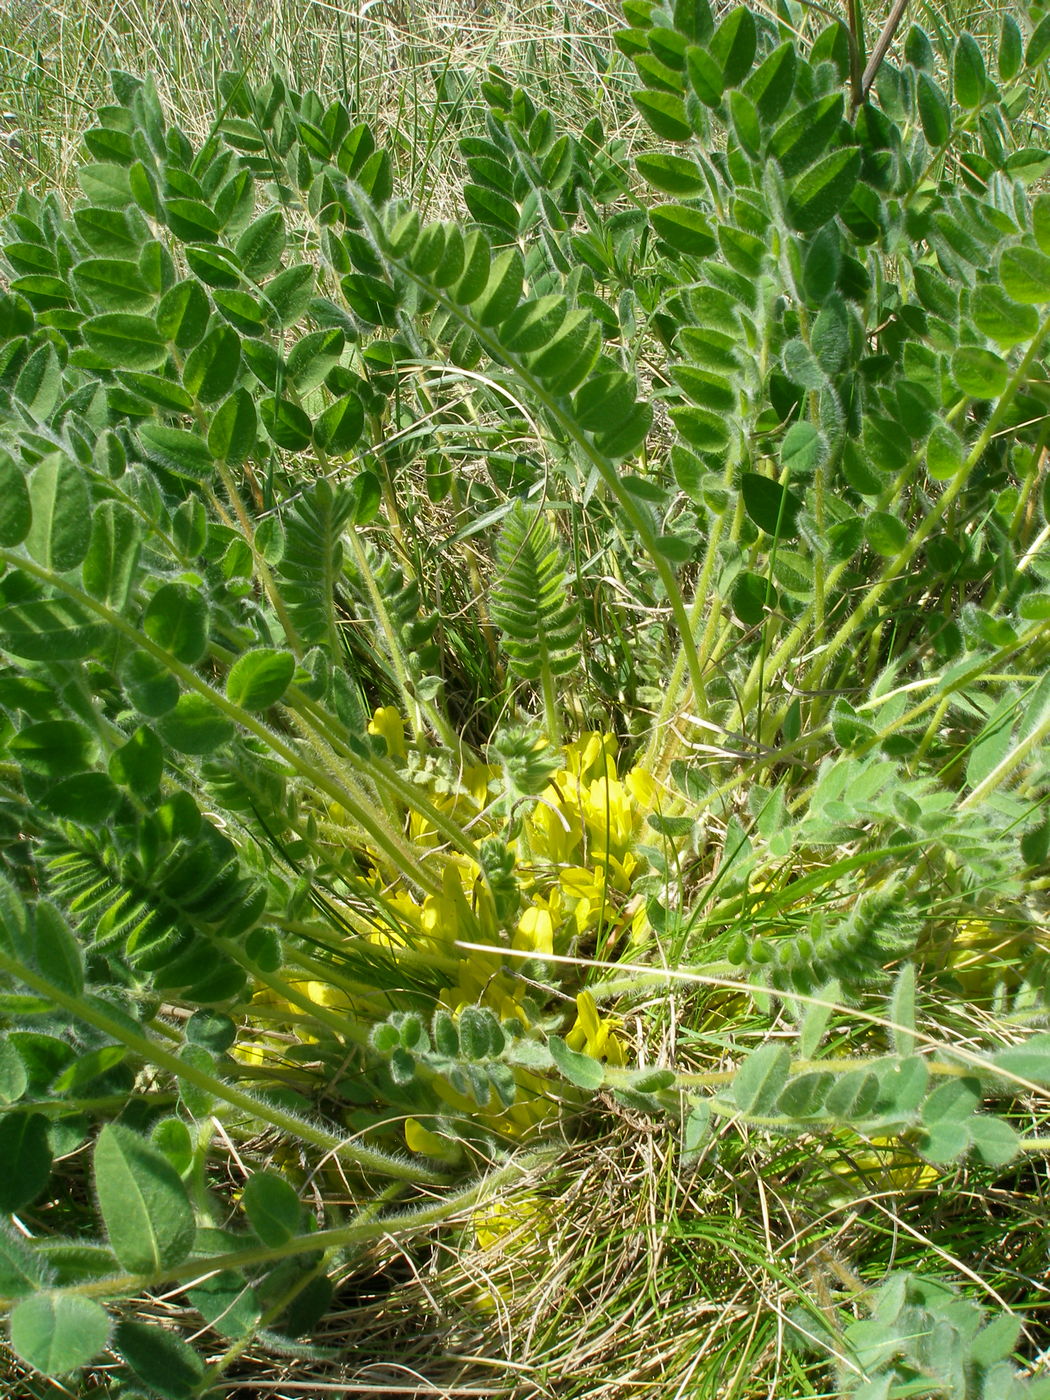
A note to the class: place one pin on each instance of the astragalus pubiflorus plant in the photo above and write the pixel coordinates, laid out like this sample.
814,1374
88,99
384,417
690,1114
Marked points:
432,651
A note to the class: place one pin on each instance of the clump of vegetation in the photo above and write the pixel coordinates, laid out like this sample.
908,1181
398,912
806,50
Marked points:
525,734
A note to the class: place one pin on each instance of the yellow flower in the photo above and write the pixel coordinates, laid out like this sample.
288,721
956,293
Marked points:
882,1163
535,931
592,1035
503,1223
387,723
592,756
429,1144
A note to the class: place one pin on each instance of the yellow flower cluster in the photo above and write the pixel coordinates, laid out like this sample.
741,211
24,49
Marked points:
578,837
574,863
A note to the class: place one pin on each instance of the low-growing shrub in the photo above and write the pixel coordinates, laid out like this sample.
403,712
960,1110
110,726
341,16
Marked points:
423,640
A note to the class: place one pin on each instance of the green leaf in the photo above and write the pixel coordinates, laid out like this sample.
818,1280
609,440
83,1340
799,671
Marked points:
1002,319
582,1070
227,1302
751,596
502,290
233,430
534,323
686,229
26,1156
803,450
994,1141
107,186
111,563
673,175
159,390
759,1080
58,1332
195,725
191,221
968,71
113,284
215,1031
288,294
1028,164
216,267
259,678
918,51
996,1340
885,533
945,453
286,423
1030,1061
54,748
1011,48
109,232
708,432
696,1130
23,1268
705,75
733,45
952,1101
945,1141
176,450
58,954
903,1087
746,125
338,429
151,687
40,383
934,111
161,1360
143,1202
60,531
124,341
817,1018
172,1137
819,194
803,137
665,113
13,1084
771,84
540,624
261,245
853,1095
571,354
477,262
605,401
16,512
139,762
1025,274
50,631
489,207
177,620
902,1011
771,506
314,357
272,1206
982,374
182,314
1038,45
212,367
